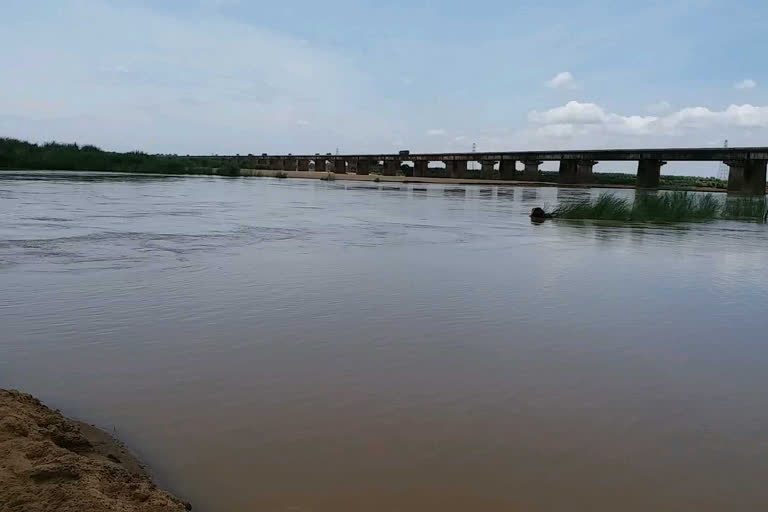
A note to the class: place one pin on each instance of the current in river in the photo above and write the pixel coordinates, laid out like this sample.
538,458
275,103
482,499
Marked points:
300,345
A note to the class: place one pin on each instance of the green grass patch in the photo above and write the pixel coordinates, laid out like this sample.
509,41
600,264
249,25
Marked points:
605,207
746,208
663,207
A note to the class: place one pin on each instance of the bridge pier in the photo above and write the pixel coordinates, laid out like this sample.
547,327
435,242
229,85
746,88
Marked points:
455,169
584,173
568,171
319,164
363,167
531,172
303,164
276,164
339,166
747,176
507,169
486,169
648,173
420,168
289,164
391,167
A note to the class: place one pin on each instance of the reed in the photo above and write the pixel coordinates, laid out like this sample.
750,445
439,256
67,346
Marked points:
661,207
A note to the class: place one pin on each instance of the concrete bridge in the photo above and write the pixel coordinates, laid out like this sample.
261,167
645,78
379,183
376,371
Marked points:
747,165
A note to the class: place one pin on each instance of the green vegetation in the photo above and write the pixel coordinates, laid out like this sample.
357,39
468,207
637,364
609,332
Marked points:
281,175
619,178
229,168
17,154
691,182
663,207
605,207
329,177
745,208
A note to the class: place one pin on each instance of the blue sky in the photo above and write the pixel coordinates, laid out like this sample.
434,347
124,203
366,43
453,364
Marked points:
228,76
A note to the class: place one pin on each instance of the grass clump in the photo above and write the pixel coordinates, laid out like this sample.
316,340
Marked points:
605,207
745,208
328,177
281,175
668,207
674,207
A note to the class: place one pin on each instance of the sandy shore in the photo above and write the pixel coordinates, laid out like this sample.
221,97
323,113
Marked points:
447,181
49,462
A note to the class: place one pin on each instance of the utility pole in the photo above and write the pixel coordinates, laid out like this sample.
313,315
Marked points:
722,172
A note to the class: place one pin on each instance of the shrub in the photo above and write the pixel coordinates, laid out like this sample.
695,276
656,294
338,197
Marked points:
229,168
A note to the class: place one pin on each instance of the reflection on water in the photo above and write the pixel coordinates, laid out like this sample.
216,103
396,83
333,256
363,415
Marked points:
329,346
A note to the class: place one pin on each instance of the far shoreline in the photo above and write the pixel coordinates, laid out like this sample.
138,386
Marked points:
378,178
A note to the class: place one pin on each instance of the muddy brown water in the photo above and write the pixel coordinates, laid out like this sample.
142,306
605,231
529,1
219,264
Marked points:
297,345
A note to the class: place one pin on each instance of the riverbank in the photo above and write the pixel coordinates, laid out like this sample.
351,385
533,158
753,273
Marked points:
50,462
447,181
17,154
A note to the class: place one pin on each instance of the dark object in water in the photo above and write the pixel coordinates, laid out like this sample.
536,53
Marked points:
539,213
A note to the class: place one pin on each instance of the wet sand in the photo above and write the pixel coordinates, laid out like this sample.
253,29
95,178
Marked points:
50,462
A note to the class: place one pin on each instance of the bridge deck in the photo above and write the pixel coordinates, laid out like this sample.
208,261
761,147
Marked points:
670,154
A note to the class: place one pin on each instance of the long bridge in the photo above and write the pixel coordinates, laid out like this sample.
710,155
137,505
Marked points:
747,166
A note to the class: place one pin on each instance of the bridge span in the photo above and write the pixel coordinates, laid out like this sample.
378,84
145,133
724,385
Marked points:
747,166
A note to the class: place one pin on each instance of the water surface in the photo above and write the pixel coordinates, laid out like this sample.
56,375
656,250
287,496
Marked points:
298,345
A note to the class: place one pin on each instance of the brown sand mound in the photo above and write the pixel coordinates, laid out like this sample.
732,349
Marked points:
51,463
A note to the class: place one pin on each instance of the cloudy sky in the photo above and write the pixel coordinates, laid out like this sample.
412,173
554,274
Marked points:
229,76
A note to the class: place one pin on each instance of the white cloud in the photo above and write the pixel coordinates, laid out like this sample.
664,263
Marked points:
436,131
747,83
459,138
575,118
564,79
571,112
179,84
302,122
660,107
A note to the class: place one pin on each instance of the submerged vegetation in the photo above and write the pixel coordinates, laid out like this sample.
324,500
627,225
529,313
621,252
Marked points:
745,208
664,207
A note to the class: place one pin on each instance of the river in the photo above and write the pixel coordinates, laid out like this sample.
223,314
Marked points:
299,345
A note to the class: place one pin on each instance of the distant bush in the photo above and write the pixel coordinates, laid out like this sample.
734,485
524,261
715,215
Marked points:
229,168
281,175
17,154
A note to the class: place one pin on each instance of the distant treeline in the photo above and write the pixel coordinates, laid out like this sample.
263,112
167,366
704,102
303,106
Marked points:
18,154
666,180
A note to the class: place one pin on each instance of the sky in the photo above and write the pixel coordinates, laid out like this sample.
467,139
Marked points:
229,76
